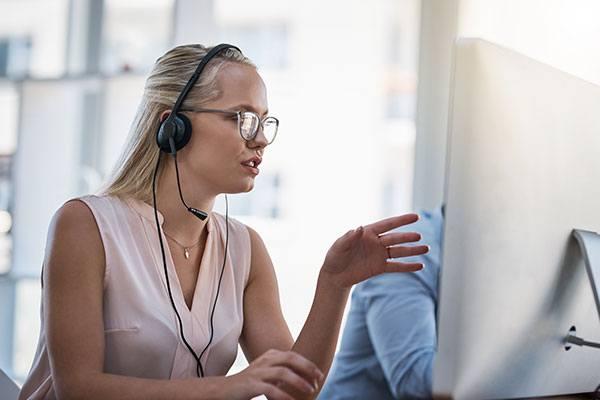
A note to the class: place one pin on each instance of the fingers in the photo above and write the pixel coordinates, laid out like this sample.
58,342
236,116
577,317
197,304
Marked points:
283,376
406,251
287,370
388,224
392,266
272,392
305,367
392,239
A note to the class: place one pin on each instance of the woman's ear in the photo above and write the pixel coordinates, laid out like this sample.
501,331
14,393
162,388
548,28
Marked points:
164,115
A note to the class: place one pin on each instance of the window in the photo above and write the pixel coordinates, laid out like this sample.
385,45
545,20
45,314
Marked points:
265,44
134,32
15,54
5,215
400,104
33,36
262,201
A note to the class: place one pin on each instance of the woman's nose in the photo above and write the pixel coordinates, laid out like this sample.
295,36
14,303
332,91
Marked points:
260,139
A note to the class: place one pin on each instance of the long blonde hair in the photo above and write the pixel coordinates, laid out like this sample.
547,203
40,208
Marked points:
133,172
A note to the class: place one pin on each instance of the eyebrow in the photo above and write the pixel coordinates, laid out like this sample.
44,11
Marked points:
248,107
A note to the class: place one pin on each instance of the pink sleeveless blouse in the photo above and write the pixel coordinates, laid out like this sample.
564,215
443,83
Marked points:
142,337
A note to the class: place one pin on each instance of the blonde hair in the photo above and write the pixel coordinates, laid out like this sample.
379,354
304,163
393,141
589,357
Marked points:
133,172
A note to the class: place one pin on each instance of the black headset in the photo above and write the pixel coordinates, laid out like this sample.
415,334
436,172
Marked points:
178,126
173,134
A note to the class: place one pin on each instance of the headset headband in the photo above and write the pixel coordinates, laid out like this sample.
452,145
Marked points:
210,55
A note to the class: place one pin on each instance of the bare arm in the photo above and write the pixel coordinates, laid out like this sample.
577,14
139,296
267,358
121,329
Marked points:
354,257
318,338
265,327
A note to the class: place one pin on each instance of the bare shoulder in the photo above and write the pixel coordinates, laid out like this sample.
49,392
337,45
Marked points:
74,240
260,264
74,210
257,245
254,236
75,222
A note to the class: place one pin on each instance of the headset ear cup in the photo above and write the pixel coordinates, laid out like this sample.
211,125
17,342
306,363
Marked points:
179,127
165,130
185,133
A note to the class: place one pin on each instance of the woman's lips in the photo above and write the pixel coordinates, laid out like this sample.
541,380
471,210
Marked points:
252,165
250,169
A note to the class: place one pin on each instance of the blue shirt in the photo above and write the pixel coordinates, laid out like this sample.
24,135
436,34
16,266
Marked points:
389,340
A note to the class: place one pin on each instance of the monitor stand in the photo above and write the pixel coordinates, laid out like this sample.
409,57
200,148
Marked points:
589,243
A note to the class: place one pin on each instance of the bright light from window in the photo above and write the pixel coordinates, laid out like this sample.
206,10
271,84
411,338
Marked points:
5,221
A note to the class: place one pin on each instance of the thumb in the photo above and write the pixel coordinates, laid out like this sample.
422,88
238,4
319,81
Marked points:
348,239
354,234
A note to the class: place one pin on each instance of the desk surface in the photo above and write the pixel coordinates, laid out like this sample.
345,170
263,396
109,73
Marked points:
586,396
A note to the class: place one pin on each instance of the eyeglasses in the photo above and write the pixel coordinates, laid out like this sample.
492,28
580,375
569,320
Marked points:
248,123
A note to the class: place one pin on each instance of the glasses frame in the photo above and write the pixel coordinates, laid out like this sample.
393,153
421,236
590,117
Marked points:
239,120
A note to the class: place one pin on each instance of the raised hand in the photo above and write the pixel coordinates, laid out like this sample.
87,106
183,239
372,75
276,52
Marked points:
366,251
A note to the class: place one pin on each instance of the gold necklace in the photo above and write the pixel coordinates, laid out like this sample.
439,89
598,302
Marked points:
186,249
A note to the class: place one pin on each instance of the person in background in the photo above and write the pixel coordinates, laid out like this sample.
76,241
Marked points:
389,340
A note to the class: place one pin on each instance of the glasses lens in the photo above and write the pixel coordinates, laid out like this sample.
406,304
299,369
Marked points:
270,126
248,125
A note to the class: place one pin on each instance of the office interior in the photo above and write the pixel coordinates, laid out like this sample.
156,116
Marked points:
362,90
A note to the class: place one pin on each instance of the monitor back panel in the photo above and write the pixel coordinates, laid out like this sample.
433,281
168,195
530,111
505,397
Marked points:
523,170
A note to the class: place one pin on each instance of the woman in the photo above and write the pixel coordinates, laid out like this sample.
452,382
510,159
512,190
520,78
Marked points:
126,317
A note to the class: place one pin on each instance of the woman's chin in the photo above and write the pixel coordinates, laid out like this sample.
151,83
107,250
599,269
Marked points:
249,186
242,187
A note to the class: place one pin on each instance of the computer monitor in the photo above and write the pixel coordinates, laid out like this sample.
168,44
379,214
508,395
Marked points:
8,389
523,171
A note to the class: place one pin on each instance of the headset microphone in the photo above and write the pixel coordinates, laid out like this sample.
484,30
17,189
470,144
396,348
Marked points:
198,213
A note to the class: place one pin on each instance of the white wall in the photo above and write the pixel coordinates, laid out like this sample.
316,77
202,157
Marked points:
561,33
438,33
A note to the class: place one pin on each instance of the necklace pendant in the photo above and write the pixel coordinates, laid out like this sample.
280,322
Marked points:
186,253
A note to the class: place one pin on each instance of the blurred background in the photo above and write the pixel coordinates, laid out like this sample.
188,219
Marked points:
361,90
